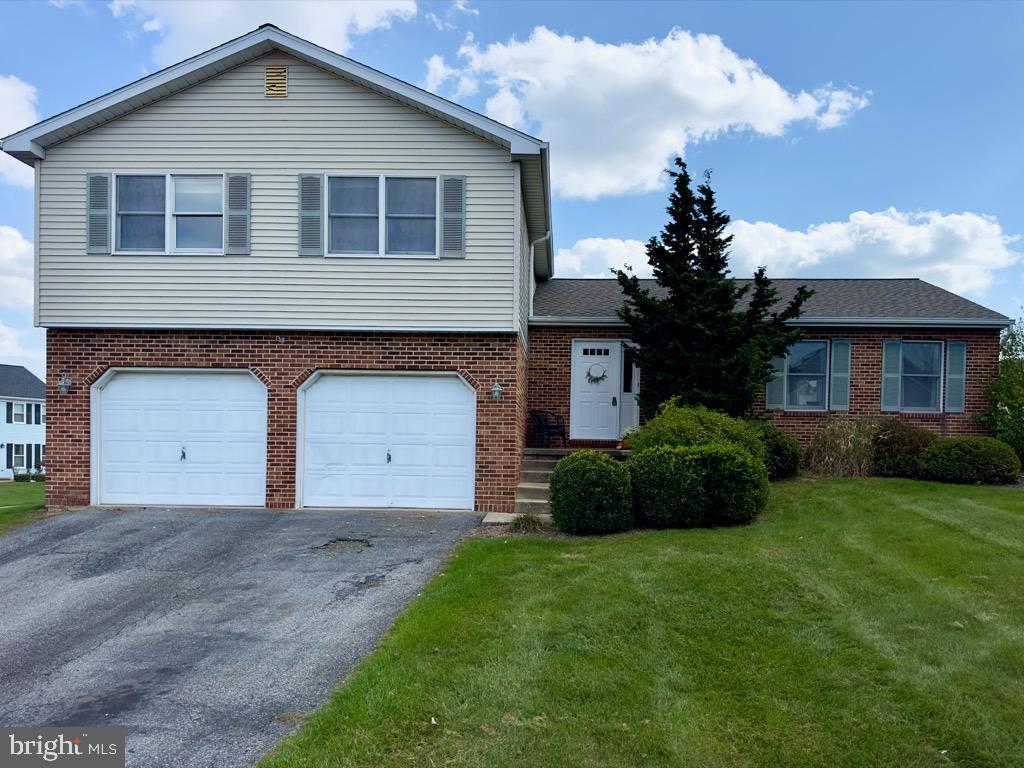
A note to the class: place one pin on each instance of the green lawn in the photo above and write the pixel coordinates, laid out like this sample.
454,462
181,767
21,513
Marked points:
859,623
19,503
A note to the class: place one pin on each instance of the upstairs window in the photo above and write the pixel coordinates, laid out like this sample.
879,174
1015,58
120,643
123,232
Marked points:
382,215
169,214
18,415
198,213
411,216
141,211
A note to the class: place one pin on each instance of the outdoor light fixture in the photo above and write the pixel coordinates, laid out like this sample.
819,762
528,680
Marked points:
496,391
64,384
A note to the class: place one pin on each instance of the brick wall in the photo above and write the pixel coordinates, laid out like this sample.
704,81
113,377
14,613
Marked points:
551,352
283,361
866,379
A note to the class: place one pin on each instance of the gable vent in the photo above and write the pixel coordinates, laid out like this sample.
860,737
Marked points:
276,81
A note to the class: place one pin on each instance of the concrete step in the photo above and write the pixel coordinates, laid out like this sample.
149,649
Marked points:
504,518
535,476
542,465
537,506
555,453
532,491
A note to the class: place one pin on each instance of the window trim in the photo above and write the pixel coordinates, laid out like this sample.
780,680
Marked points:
382,216
169,248
42,413
786,407
14,456
941,376
24,413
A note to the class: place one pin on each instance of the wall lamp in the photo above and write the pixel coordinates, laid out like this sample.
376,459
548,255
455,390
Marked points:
64,384
496,391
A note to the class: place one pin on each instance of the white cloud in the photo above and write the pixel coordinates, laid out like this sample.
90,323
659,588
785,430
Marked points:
189,28
597,256
617,113
437,73
20,343
15,269
17,111
959,251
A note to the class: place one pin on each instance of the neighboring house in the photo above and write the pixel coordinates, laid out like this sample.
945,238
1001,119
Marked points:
23,429
272,276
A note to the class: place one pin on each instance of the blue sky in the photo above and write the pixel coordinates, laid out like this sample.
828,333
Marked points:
865,139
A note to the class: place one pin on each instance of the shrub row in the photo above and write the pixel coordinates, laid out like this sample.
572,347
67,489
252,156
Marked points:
893,448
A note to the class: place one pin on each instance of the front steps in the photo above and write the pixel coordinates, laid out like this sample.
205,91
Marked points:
532,491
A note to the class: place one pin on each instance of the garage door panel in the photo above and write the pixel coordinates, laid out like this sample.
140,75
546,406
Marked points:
147,418
427,423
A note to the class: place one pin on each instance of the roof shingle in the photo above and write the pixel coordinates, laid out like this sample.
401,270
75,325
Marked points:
18,381
856,299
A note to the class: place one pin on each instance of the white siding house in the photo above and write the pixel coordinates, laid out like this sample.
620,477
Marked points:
22,421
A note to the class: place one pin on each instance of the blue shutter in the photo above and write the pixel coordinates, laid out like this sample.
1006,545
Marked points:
10,413
892,368
453,217
775,392
956,376
311,215
238,196
97,204
839,384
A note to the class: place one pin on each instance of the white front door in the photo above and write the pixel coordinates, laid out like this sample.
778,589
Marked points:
181,438
595,390
388,441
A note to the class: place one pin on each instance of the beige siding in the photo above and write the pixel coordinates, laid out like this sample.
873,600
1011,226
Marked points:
326,124
525,271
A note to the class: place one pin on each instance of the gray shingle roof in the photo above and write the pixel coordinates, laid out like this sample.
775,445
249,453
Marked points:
857,300
18,381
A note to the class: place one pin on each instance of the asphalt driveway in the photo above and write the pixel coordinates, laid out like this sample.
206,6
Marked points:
207,634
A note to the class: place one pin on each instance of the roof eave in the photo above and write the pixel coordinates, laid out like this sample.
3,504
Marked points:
842,322
25,144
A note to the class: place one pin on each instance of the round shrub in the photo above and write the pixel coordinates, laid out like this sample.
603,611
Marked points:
668,488
696,425
970,460
590,493
783,452
699,485
735,483
897,447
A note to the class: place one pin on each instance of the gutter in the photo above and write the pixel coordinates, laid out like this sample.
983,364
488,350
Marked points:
847,322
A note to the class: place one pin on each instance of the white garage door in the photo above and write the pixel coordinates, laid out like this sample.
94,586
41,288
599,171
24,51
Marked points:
182,438
389,441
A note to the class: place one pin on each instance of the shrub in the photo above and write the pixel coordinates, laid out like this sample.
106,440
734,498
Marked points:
590,494
970,460
667,488
527,522
842,447
696,425
712,484
783,453
897,447
1005,416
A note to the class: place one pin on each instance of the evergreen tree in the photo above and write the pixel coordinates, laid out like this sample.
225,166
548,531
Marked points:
695,339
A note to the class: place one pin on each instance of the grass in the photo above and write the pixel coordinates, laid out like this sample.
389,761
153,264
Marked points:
19,503
859,623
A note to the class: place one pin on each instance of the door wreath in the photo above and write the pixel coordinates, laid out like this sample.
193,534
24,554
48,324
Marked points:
596,373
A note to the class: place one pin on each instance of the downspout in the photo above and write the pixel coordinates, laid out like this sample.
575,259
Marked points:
533,265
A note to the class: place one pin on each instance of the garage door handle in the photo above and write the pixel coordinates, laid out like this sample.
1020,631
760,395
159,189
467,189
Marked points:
389,457
182,454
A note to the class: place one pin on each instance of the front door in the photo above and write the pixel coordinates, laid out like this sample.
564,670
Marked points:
596,390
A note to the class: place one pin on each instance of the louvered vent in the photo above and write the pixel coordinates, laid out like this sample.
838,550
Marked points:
276,81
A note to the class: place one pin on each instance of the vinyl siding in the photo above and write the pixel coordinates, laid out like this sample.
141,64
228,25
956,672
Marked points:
526,276
326,124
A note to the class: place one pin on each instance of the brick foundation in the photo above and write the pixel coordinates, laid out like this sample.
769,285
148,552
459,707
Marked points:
551,355
283,360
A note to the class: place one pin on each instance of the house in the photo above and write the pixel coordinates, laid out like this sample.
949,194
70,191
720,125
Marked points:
23,430
272,276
